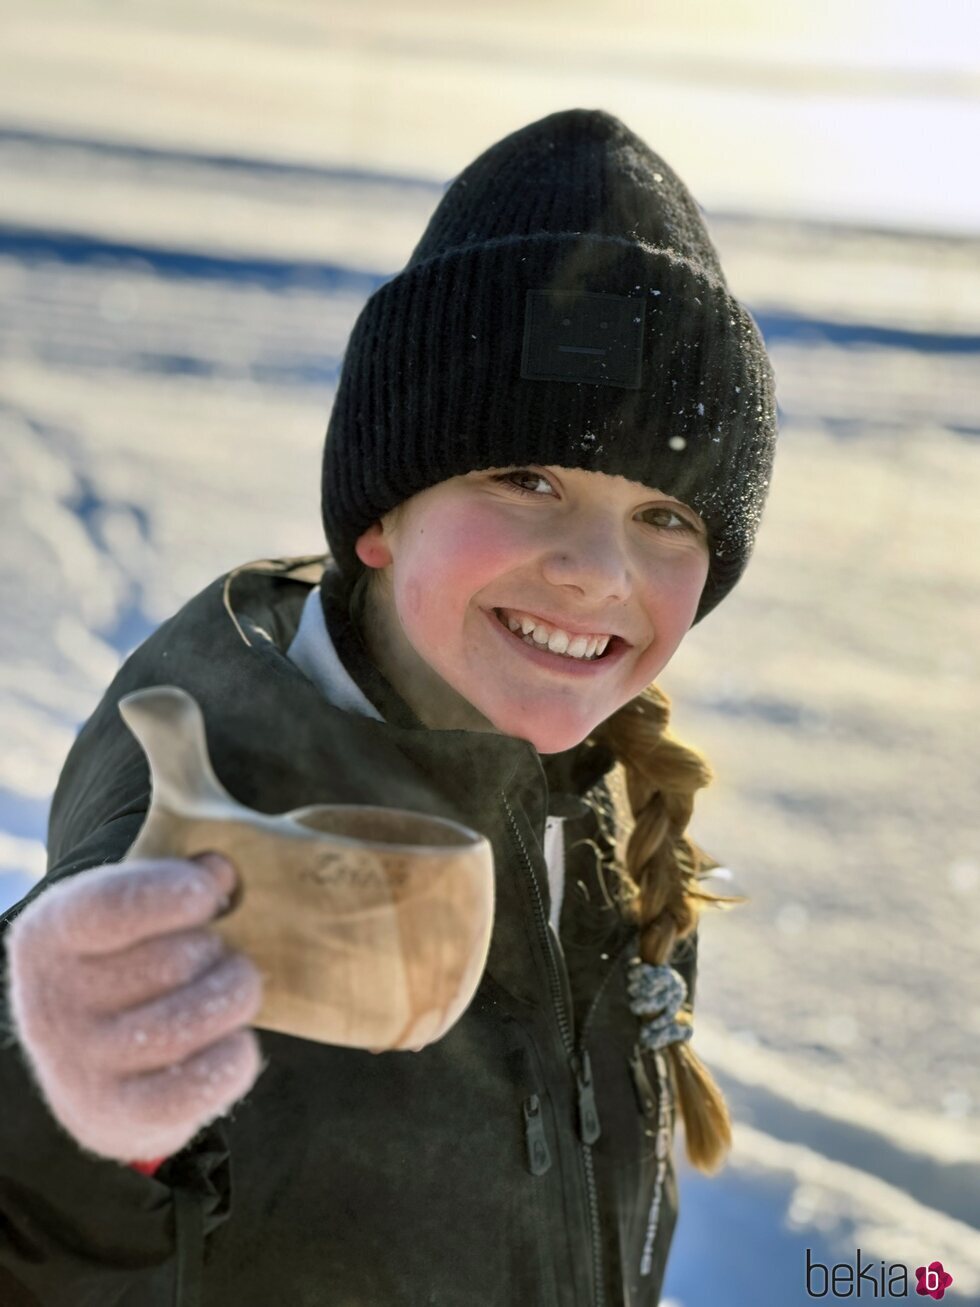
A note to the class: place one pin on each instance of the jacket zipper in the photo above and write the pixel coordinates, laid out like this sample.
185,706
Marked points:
536,1142
588,1116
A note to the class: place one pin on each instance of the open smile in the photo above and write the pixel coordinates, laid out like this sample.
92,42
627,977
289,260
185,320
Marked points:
541,656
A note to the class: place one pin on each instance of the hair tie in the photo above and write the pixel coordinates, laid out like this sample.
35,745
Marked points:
658,992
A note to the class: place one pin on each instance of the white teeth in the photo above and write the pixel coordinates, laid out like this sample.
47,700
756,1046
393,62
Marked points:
585,647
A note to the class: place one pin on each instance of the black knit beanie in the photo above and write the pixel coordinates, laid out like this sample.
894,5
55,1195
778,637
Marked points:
564,306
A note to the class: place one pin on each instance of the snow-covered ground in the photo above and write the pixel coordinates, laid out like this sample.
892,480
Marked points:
195,201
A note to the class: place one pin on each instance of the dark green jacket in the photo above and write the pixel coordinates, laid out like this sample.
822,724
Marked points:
510,1164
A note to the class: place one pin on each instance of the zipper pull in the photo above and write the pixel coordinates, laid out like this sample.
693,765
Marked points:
645,1096
538,1156
588,1114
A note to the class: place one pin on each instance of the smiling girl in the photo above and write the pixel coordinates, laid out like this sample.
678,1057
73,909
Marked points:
547,458
534,601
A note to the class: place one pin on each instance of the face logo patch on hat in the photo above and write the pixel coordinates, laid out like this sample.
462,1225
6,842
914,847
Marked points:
583,336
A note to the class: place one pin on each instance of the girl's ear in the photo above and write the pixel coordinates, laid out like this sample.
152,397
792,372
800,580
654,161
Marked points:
372,547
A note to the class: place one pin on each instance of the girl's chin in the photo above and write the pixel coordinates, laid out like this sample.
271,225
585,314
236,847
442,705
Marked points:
546,736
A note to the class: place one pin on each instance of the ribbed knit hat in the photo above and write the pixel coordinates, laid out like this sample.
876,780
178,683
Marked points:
564,306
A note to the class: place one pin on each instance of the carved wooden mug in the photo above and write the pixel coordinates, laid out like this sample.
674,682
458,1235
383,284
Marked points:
371,925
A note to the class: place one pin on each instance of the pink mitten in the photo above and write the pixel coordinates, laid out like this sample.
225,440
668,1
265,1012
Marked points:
134,1015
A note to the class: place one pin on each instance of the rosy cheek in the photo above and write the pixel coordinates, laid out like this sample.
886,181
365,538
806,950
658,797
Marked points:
485,547
460,553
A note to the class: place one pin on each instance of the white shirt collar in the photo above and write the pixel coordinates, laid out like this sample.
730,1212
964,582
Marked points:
313,652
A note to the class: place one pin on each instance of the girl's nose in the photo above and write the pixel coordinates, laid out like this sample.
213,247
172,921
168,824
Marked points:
592,559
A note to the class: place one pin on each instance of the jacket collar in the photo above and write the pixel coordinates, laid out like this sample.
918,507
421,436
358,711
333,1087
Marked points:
314,652
343,611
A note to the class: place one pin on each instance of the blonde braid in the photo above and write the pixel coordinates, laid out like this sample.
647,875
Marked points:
659,886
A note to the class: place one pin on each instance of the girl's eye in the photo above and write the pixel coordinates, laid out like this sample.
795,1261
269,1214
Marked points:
525,474
670,520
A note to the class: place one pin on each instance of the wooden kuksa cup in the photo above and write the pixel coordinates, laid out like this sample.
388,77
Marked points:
371,925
